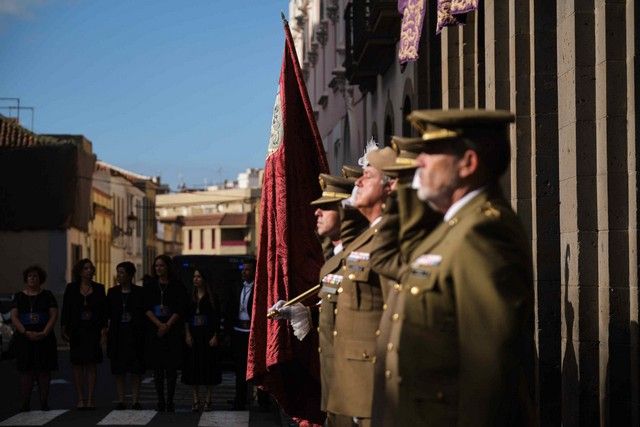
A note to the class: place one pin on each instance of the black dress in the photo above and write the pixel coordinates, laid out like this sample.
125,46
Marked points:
164,301
125,340
201,364
33,312
84,317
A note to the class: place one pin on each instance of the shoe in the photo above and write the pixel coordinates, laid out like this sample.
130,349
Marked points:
195,407
25,407
237,407
208,407
44,406
171,407
120,406
136,406
90,406
161,407
81,406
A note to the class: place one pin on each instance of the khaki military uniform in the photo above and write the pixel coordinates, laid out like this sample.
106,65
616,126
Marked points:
359,308
414,220
460,349
352,222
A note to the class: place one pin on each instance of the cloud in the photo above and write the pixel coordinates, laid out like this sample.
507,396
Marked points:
19,8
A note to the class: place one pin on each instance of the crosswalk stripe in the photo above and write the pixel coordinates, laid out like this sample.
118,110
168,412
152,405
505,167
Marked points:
32,418
128,417
224,419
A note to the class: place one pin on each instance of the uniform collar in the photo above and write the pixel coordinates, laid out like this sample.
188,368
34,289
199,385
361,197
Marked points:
455,208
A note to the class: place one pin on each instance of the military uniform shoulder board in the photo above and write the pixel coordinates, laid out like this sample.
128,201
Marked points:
490,211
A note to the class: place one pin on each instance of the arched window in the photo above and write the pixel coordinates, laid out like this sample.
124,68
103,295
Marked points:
388,129
406,109
346,142
374,132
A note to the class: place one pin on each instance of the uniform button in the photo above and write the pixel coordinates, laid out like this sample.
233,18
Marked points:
384,306
397,287
387,374
375,230
319,349
352,276
318,328
378,333
395,316
365,355
340,290
319,309
390,346
414,290
453,222
335,311
373,359
329,296
344,267
439,395
335,333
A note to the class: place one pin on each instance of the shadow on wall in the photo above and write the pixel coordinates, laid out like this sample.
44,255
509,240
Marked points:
570,386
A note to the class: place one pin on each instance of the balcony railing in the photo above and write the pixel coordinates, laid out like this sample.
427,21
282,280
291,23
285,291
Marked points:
372,31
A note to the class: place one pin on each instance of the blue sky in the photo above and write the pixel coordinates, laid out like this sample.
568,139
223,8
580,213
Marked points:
180,89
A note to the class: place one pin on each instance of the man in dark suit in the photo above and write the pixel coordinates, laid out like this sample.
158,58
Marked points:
238,328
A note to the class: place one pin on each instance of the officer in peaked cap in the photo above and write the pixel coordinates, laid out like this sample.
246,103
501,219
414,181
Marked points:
339,225
407,221
360,299
351,171
461,350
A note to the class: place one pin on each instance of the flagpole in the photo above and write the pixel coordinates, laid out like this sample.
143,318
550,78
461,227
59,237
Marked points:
306,294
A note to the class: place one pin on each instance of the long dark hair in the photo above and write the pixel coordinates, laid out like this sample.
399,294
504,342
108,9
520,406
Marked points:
168,262
209,288
77,269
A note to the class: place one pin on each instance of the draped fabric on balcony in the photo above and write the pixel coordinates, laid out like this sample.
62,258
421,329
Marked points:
412,18
453,12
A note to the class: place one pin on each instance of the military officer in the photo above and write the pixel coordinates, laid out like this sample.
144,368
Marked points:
461,348
339,224
407,221
359,300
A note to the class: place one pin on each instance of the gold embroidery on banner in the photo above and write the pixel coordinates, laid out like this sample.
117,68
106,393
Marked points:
409,33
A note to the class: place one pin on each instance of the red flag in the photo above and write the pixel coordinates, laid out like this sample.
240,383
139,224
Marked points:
289,253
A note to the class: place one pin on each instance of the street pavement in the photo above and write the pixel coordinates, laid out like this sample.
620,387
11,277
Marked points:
62,402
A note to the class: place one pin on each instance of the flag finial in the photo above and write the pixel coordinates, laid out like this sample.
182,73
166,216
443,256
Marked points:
284,19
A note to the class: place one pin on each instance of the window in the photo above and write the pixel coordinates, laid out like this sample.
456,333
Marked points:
202,238
190,239
406,109
213,238
76,254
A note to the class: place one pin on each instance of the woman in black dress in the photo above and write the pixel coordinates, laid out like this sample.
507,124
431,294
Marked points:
83,322
201,335
34,314
125,338
165,301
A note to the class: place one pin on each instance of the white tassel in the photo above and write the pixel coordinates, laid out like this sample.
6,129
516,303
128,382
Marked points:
371,146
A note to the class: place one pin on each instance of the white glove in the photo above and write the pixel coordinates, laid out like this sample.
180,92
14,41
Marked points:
298,314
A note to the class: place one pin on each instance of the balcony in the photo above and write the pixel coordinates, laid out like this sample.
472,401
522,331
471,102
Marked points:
372,32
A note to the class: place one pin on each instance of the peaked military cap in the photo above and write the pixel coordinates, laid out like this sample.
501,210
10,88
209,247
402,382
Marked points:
381,158
485,131
351,171
406,149
334,189
438,125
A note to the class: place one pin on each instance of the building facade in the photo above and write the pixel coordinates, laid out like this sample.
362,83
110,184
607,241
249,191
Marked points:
569,71
221,220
